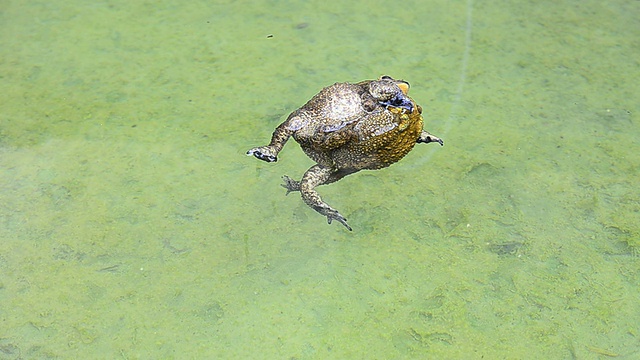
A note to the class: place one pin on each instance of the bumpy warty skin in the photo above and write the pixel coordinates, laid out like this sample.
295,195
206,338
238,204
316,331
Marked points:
346,128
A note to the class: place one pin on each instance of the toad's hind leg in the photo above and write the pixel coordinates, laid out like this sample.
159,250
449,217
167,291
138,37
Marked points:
294,185
315,176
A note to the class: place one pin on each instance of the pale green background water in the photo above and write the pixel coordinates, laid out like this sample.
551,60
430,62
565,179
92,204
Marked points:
133,227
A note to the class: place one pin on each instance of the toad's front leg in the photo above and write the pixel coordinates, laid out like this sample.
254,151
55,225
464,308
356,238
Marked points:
315,176
425,137
270,152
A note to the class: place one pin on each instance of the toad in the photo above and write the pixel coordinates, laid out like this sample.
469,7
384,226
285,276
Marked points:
346,128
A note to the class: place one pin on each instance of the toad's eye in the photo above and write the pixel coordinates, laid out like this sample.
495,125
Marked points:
399,101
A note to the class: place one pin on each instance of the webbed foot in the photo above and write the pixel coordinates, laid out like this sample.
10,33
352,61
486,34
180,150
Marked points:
333,214
290,184
264,153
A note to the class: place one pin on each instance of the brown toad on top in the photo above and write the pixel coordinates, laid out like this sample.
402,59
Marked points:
346,128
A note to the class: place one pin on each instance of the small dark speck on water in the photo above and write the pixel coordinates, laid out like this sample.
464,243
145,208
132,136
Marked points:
302,25
113,268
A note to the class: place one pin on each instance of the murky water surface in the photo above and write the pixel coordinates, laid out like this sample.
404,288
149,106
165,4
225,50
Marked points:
132,225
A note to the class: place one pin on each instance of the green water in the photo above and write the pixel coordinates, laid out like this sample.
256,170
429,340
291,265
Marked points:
132,226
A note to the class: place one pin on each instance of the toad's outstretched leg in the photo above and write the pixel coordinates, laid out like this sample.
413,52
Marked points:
270,152
315,176
294,185
425,137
